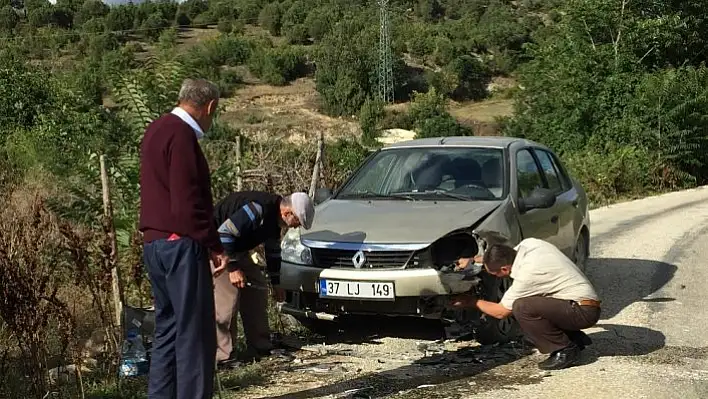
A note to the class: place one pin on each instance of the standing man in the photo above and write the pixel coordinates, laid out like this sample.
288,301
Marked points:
246,220
176,218
549,296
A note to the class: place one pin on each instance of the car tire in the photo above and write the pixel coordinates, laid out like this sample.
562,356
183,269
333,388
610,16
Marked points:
581,252
492,330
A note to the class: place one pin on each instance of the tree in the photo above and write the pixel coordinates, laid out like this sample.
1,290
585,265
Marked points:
269,18
154,25
89,10
320,21
370,118
120,18
8,19
293,21
346,67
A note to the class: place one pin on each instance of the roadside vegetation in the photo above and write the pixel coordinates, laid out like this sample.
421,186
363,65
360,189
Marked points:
617,88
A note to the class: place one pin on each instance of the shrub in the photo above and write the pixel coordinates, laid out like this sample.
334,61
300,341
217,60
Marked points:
370,118
270,18
278,66
613,173
183,19
154,25
224,26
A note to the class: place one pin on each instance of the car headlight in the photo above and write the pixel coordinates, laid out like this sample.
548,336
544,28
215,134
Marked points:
292,250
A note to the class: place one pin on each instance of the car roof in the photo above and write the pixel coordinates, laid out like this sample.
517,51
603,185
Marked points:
462,141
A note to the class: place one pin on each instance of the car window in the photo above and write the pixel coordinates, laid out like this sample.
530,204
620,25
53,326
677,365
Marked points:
550,171
370,178
564,178
431,173
527,174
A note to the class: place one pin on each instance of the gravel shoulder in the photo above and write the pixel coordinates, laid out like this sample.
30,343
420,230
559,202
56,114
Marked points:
648,265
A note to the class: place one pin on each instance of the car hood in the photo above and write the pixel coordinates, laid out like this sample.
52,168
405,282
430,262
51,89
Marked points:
393,222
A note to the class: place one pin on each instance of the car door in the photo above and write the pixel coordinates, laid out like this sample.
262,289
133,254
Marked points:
566,199
537,223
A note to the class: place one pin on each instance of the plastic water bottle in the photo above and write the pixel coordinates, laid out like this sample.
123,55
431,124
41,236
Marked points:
133,356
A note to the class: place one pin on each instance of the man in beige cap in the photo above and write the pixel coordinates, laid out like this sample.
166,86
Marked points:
244,221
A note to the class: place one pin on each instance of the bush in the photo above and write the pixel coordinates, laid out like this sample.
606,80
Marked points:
278,66
346,67
370,118
429,116
607,175
183,19
224,26
154,26
270,18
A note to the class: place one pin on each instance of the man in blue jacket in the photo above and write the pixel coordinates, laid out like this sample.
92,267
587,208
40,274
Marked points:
246,220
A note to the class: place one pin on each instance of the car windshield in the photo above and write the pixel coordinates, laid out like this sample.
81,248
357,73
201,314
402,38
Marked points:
455,174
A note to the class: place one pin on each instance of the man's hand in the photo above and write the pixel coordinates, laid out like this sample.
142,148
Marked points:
463,301
220,261
278,294
464,263
237,278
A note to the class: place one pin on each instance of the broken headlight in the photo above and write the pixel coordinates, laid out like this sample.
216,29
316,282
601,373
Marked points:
293,251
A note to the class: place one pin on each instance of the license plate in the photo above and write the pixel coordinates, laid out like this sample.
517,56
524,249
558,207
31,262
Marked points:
356,289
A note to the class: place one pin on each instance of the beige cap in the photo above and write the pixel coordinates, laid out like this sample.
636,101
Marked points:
303,208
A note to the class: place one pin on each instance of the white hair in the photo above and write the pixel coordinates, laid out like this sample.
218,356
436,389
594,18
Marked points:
198,92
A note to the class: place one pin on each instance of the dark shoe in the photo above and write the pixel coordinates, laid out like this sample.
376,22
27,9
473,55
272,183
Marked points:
561,359
579,338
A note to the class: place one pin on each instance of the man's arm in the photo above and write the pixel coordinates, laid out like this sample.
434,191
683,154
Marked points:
188,205
495,310
272,255
241,223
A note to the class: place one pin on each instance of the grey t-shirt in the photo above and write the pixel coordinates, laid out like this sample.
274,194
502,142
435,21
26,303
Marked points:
541,269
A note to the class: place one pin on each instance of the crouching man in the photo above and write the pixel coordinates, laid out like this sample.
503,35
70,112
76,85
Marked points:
246,220
550,298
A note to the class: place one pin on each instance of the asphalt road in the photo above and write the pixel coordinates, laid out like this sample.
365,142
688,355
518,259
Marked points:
649,266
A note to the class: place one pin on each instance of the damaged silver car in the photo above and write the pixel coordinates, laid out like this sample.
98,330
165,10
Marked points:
386,242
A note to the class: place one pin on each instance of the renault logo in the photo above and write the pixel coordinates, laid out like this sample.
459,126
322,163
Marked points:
359,259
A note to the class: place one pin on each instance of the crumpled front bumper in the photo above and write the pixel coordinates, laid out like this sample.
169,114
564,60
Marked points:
418,292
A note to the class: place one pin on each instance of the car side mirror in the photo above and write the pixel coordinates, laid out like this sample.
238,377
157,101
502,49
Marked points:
540,198
322,195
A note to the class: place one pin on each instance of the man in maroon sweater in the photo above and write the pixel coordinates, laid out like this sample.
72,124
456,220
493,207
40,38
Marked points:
176,218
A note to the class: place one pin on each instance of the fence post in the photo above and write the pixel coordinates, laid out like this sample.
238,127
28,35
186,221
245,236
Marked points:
111,232
239,178
318,165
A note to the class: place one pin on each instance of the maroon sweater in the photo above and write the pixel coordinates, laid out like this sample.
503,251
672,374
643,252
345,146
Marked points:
175,185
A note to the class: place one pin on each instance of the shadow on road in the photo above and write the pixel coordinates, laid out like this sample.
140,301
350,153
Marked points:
442,368
622,282
620,340
369,329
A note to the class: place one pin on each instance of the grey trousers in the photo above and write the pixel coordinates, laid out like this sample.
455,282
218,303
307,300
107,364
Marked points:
250,303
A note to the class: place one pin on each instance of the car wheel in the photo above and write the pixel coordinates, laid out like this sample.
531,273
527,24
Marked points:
493,330
582,251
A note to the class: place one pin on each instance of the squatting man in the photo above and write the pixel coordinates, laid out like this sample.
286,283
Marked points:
246,220
549,296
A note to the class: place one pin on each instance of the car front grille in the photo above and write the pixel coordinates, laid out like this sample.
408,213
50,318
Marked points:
338,258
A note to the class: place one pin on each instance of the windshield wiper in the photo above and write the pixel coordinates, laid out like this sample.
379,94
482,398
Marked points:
371,194
437,192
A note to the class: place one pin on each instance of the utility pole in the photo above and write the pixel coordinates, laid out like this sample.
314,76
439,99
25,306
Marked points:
385,67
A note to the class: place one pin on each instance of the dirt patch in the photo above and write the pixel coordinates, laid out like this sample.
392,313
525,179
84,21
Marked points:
290,112
675,355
